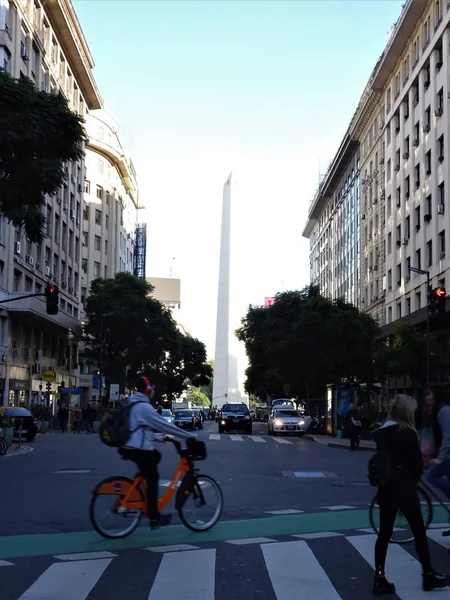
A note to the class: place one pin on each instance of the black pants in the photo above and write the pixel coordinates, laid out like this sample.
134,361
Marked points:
413,514
147,463
354,437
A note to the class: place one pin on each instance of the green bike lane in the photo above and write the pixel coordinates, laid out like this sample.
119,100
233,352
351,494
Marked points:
89,541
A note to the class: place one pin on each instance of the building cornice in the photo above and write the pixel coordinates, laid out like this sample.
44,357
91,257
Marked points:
63,19
400,37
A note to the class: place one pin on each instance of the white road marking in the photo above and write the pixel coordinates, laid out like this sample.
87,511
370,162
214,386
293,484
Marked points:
72,471
69,580
85,556
246,541
296,573
214,436
438,526
338,507
174,548
436,536
287,511
281,441
257,438
236,438
318,535
401,567
187,575
5,563
370,530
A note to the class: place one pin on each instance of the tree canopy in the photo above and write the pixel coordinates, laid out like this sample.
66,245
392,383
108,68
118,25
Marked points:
139,335
305,341
38,134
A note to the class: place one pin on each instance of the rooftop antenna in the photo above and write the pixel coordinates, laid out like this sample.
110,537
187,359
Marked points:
172,268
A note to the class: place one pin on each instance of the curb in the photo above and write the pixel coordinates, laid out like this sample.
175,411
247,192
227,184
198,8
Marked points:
23,450
336,445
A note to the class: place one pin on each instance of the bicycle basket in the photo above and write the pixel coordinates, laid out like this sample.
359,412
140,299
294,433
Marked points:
197,451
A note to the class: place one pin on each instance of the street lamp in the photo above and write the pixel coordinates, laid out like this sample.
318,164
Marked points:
70,342
427,273
100,391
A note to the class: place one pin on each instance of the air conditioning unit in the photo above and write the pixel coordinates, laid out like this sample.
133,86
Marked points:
405,155
440,209
72,214
438,112
427,218
17,247
65,207
31,261
27,258
47,271
415,142
405,241
426,128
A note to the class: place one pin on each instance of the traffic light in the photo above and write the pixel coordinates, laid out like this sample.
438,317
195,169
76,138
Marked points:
52,299
437,300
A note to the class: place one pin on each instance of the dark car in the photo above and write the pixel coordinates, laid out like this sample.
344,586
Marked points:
23,422
184,418
235,416
198,418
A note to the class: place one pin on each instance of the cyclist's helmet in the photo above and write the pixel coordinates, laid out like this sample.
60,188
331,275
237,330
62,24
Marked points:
143,385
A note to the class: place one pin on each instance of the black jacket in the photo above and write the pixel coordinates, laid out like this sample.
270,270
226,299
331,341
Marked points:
406,458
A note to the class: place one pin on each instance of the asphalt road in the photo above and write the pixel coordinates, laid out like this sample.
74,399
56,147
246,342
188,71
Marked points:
255,476
281,537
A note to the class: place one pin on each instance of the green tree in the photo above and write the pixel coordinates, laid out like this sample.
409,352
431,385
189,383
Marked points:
138,335
38,134
304,341
199,398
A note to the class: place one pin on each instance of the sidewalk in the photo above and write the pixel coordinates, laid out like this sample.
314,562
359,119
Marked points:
343,444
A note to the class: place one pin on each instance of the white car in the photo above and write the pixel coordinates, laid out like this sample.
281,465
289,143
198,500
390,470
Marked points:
288,420
167,414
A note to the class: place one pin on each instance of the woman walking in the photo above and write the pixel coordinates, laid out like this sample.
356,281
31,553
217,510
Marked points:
399,440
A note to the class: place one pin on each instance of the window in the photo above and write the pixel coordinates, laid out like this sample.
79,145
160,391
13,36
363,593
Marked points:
407,187
427,120
399,310
389,243
418,259
98,217
441,198
426,32
442,244
399,274
84,265
417,218
96,269
408,305
439,103
87,186
418,300
408,227
417,175
85,238
428,163
28,284
416,134
99,192
97,243
430,253
17,281
106,247
408,266
86,213
405,70
390,279
390,314
437,12
440,148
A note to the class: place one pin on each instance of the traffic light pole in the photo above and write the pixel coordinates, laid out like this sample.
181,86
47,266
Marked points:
20,298
428,342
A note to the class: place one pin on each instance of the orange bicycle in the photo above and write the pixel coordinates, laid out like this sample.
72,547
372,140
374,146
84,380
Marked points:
130,497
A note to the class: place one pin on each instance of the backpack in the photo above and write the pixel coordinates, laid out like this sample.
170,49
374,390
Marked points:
380,469
115,428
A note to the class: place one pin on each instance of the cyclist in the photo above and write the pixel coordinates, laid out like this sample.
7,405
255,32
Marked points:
144,421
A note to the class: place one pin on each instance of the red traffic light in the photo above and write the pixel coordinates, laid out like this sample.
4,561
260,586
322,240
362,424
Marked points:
52,290
440,292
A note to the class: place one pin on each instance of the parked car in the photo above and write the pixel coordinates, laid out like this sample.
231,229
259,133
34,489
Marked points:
235,416
184,419
23,421
198,420
167,414
287,421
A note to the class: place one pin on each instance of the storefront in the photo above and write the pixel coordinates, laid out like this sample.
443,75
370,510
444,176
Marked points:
19,392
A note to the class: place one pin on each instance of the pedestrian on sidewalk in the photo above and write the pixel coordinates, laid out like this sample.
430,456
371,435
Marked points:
353,420
398,440
77,421
63,417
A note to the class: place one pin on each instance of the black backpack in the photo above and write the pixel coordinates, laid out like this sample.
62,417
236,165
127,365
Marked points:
115,428
380,469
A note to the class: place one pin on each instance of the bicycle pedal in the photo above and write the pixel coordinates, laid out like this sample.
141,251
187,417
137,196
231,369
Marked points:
121,510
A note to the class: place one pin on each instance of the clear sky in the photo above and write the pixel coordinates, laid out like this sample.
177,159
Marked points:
263,88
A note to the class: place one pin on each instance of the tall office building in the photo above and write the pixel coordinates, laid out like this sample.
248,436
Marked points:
44,41
402,131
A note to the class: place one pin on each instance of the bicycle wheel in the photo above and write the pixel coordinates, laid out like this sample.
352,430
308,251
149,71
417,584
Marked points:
206,496
105,500
402,533
3,446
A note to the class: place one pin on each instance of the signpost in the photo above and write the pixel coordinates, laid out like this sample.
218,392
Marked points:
48,376
114,395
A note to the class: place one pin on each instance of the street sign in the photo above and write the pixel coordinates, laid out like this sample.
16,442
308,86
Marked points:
114,392
48,376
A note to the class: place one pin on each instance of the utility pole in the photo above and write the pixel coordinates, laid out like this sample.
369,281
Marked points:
428,342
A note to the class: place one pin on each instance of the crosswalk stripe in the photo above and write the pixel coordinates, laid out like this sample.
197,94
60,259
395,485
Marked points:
295,572
236,438
281,441
214,436
401,568
188,575
436,536
257,438
69,580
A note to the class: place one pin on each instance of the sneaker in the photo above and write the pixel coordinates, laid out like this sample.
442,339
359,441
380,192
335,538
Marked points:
434,581
162,521
382,587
